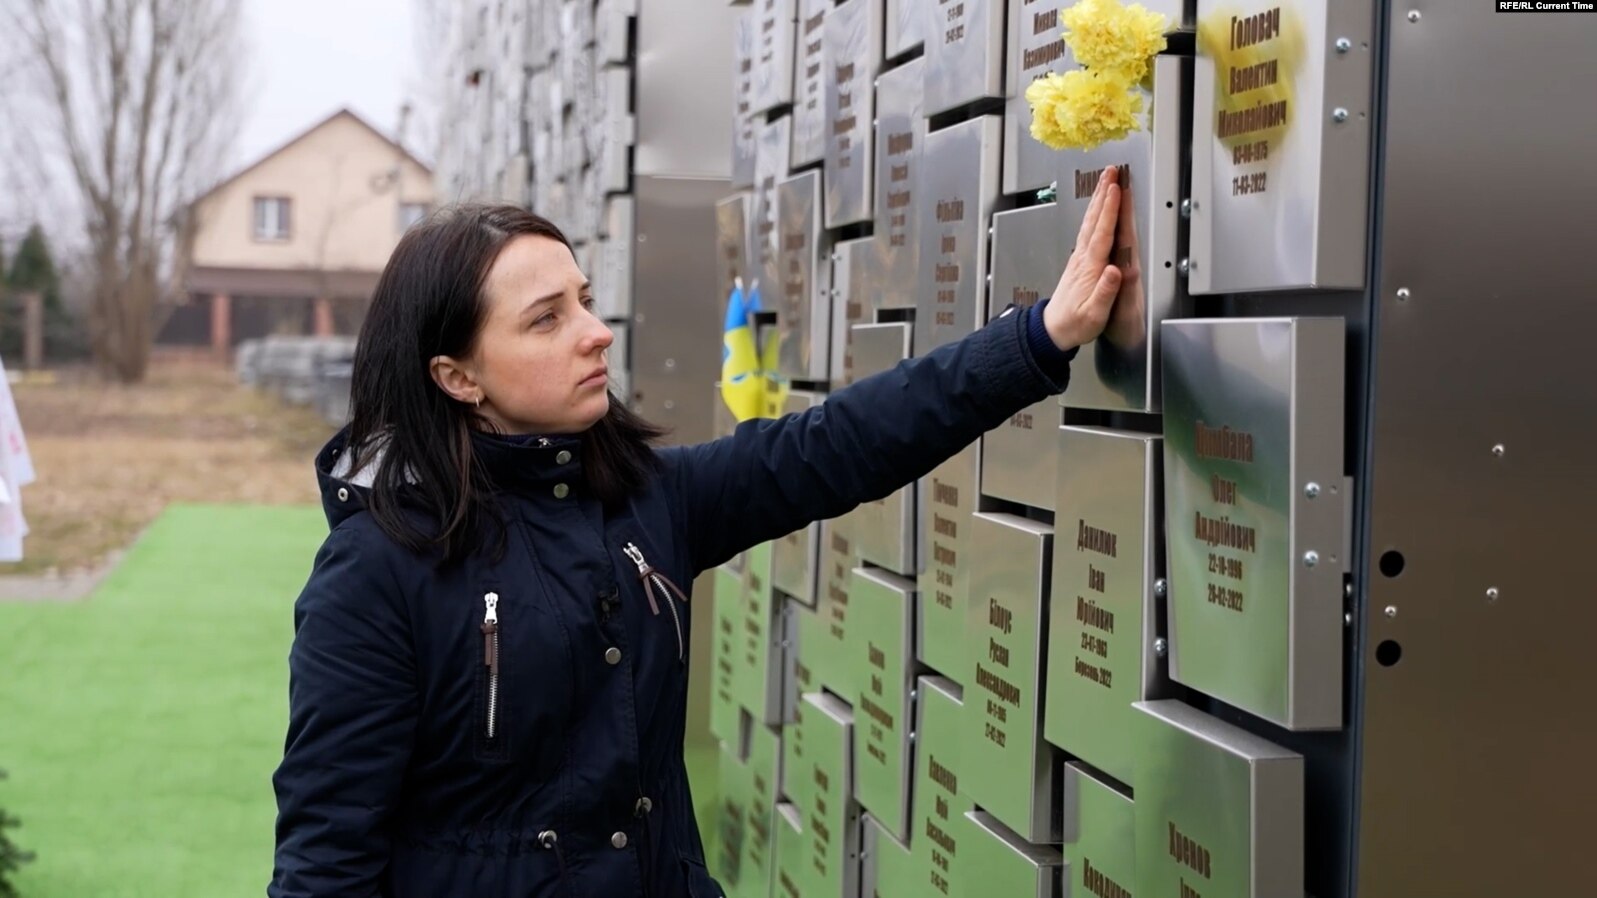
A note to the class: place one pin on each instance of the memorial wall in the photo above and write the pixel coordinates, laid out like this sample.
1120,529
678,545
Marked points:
1101,650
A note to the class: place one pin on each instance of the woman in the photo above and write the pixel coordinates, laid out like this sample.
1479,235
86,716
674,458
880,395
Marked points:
489,670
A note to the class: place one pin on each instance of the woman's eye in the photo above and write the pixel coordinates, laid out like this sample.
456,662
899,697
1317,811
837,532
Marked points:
589,303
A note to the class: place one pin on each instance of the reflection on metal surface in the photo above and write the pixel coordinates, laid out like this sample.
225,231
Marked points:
900,143
946,498
886,526
881,606
743,123
839,555
1118,371
886,866
906,23
1253,413
1017,457
1280,188
1036,47
1219,811
809,107
795,557
827,775
732,248
1009,769
853,54
770,169
854,287
1007,865
726,656
757,647
941,800
1100,837
773,53
759,840
803,308
958,186
964,52
792,861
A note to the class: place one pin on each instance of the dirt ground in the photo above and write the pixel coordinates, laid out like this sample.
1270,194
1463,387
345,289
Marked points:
109,458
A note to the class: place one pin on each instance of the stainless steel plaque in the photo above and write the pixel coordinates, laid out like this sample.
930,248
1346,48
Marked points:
610,21
1100,838
854,286
811,77
1009,769
620,357
794,557
833,662
1006,864
1119,371
853,54
900,143
773,53
731,246
613,280
759,641
958,185
882,606
906,24
1036,47
617,131
791,861
1254,495
804,311
759,842
804,637
1280,146
831,815
735,787
743,120
1017,457
886,531
964,52
939,841
886,866
770,169
726,656
1102,617
1219,811
947,498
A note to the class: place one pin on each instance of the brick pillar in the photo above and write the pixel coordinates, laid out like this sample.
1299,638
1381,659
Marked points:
221,326
324,317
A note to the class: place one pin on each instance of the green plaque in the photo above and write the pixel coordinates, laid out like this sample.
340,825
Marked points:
759,842
882,608
731,827
791,854
759,641
947,498
886,865
1100,838
1005,864
938,840
825,797
725,656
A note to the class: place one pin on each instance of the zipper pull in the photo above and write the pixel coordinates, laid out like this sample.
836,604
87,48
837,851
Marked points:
636,554
490,631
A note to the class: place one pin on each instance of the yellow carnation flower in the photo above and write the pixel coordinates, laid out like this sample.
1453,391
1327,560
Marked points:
1082,110
1108,37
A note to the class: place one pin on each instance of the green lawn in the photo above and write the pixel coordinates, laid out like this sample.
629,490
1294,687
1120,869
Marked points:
141,727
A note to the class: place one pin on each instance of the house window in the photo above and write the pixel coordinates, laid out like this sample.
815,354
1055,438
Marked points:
271,218
410,213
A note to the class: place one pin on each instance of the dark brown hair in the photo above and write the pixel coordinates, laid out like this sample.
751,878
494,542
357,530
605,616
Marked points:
429,301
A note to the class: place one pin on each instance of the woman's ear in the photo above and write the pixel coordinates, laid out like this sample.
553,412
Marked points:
452,377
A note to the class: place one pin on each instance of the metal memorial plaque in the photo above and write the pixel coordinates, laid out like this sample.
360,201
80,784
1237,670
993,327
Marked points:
905,25
1009,769
791,861
831,816
794,557
938,840
770,170
803,311
1036,47
1119,370
773,53
854,286
759,841
743,121
900,144
886,531
1255,497
853,54
1102,616
832,656
886,867
617,131
759,641
958,186
946,498
619,355
735,786
809,106
731,246
610,22
613,280
1017,457
726,657
1219,810
1100,838
882,605
1280,146
1005,864
964,52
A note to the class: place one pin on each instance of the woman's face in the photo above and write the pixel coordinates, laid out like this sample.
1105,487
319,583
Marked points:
539,363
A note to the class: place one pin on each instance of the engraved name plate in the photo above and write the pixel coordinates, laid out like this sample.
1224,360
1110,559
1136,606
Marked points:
795,557
887,867
1017,458
938,838
1219,811
726,656
1280,146
947,498
805,632
1005,864
1102,617
809,107
1119,370
1009,769
736,789
759,640
743,121
854,287
1100,838
1253,417
959,185
882,606
770,169
901,144
731,246
831,815
833,659
1036,47
804,311
853,54
964,52
773,53
906,23
759,841
791,859
613,281
886,531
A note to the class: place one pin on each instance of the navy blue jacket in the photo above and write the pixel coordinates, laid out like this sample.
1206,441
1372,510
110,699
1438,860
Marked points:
412,770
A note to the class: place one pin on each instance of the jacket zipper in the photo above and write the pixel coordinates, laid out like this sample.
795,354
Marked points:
652,580
490,657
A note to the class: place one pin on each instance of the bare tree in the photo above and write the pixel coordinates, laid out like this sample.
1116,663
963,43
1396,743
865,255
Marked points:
138,102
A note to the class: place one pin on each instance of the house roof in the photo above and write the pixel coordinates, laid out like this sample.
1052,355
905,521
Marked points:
341,113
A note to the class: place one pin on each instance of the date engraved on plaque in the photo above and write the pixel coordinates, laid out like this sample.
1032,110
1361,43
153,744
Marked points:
1255,57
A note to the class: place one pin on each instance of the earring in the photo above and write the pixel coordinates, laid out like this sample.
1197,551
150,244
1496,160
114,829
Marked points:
479,400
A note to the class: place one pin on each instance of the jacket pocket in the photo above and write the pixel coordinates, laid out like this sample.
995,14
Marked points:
488,719
700,883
